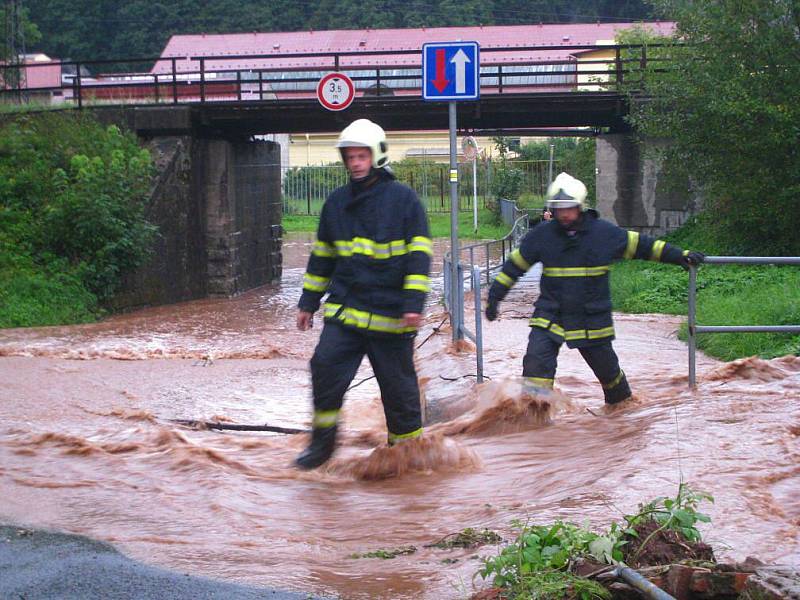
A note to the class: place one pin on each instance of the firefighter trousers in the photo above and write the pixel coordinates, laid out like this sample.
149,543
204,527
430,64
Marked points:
541,360
334,365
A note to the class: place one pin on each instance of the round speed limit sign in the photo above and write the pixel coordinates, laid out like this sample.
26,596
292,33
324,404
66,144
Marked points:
335,91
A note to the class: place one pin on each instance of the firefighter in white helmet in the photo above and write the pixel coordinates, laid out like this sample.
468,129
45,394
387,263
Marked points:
372,257
576,249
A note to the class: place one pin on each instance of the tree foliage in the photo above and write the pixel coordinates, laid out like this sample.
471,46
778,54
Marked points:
575,156
98,29
726,97
72,196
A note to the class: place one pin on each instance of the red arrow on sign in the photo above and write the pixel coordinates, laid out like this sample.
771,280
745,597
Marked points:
440,82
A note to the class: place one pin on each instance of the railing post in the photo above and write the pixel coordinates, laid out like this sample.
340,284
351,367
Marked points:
692,324
472,266
500,79
643,65
476,286
618,66
261,85
155,86
202,80
174,82
488,274
441,185
238,85
378,82
78,84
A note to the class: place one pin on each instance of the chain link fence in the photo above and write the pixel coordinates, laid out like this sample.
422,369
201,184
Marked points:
305,188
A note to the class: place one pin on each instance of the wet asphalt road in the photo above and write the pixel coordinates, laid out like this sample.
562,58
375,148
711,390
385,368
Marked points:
38,565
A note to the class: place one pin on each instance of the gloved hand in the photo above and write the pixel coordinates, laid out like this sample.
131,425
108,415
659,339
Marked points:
692,258
491,308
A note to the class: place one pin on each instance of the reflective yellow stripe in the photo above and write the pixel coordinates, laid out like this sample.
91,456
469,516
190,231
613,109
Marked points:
315,283
504,279
421,283
542,382
658,248
420,244
633,244
539,322
686,253
614,382
323,249
394,438
365,320
594,334
344,247
517,259
325,418
371,248
572,334
575,271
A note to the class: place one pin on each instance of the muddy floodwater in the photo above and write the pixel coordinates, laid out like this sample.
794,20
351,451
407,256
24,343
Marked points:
87,445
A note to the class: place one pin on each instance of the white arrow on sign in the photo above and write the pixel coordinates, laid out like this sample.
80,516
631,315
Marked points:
461,60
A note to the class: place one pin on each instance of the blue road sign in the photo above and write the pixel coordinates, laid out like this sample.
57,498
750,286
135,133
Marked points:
451,71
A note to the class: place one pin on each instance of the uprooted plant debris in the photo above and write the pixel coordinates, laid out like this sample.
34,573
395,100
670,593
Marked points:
385,554
654,544
467,538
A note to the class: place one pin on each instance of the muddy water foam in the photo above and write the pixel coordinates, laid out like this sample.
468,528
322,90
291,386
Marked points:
87,446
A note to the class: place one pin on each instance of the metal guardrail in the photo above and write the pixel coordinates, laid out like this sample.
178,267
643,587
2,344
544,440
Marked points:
200,79
694,328
506,244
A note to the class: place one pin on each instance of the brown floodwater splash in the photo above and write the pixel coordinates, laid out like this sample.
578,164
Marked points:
87,446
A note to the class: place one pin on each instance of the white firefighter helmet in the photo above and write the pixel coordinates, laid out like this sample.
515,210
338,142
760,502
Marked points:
566,192
363,133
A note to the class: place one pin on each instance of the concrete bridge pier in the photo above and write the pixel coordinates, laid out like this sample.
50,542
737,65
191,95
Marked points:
217,204
634,190
238,186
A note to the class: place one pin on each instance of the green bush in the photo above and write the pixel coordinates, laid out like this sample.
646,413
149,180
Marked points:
72,213
32,294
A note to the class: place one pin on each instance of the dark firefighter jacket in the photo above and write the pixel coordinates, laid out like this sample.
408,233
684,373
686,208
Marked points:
372,255
575,300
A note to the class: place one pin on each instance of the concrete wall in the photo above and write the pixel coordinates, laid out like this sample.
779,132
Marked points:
239,184
217,204
633,190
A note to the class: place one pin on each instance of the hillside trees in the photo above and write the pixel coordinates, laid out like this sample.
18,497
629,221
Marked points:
100,29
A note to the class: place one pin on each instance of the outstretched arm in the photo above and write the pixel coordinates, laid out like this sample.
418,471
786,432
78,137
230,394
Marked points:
518,263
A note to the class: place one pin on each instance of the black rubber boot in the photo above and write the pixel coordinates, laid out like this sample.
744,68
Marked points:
619,392
323,443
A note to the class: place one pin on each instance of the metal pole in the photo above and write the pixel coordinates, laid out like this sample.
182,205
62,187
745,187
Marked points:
476,286
691,325
202,80
455,311
550,166
174,83
646,587
78,80
475,193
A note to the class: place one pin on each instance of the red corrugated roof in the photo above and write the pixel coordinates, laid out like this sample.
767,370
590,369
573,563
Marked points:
387,40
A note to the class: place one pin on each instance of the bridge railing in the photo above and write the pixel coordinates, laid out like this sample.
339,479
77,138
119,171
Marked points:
266,77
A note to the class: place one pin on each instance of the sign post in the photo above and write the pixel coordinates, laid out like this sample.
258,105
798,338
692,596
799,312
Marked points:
470,149
451,73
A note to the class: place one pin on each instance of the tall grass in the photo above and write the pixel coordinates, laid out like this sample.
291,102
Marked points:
727,295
